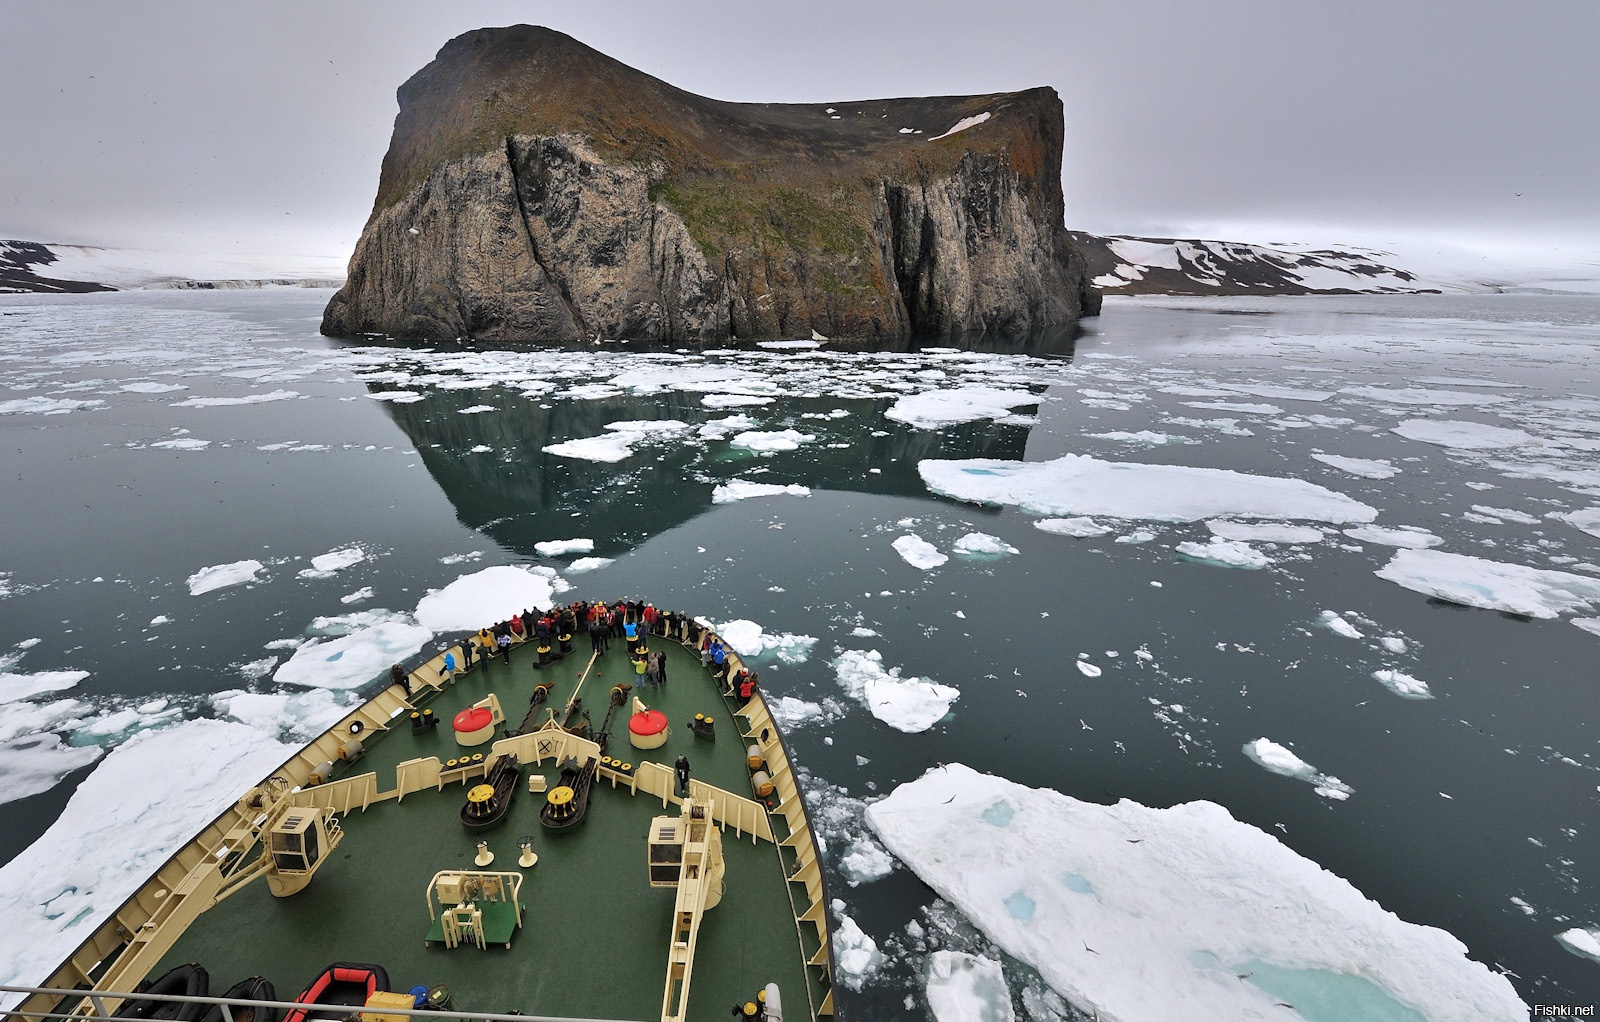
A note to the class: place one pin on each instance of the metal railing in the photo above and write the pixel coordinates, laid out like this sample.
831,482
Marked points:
74,998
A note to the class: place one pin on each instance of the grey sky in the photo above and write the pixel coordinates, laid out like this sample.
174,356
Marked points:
258,128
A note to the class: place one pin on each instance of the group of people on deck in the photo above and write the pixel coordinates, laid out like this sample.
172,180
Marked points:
631,621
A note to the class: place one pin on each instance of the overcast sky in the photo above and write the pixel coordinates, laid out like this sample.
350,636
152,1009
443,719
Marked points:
237,129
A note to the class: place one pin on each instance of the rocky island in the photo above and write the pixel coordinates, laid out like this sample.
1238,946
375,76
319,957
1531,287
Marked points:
538,190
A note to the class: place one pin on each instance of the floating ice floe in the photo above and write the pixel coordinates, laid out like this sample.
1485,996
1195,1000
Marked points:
365,652
1588,624
1407,536
1236,406
1403,685
584,564
768,442
47,405
1366,468
1143,436
741,489
1087,669
750,640
865,861
1581,942
1339,626
1077,484
1265,532
1274,757
325,565
16,687
905,704
293,716
1491,585
935,409
1229,553
967,988
220,576
981,544
36,763
1135,913
147,798
484,597
559,547
1422,396
1587,519
186,443
248,399
619,442
1463,436
1078,528
855,954
919,553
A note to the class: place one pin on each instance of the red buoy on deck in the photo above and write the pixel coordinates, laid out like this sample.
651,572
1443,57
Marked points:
647,729
474,725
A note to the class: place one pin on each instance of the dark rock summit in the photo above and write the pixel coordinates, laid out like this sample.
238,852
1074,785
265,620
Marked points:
535,189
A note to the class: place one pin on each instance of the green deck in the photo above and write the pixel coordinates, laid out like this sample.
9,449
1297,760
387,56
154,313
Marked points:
594,936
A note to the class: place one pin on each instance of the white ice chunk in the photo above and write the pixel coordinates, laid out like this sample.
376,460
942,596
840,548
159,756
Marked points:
484,597
1136,913
981,544
1076,484
1588,624
351,660
1463,436
1407,536
146,799
906,704
1587,519
16,687
866,861
1078,528
1280,760
1423,396
584,564
1580,942
937,408
1366,468
1403,685
1265,532
740,489
1491,585
220,576
967,988
559,547
36,763
249,399
919,553
855,954
1229,553
764,442
1339,626
324,565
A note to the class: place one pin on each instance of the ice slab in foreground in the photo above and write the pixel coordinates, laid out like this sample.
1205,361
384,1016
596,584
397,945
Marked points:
149,796
1491,585
1077,484
1176,904
967,988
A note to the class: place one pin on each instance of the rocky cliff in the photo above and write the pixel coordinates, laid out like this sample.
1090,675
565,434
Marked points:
535,189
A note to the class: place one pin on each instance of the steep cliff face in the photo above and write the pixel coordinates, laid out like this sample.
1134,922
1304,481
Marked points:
535,189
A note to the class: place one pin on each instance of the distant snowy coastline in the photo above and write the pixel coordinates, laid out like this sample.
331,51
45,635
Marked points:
51,268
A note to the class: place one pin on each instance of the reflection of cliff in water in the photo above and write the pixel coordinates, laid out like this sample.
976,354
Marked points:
519,495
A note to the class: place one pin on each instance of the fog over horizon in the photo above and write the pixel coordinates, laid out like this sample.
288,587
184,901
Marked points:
1463,132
